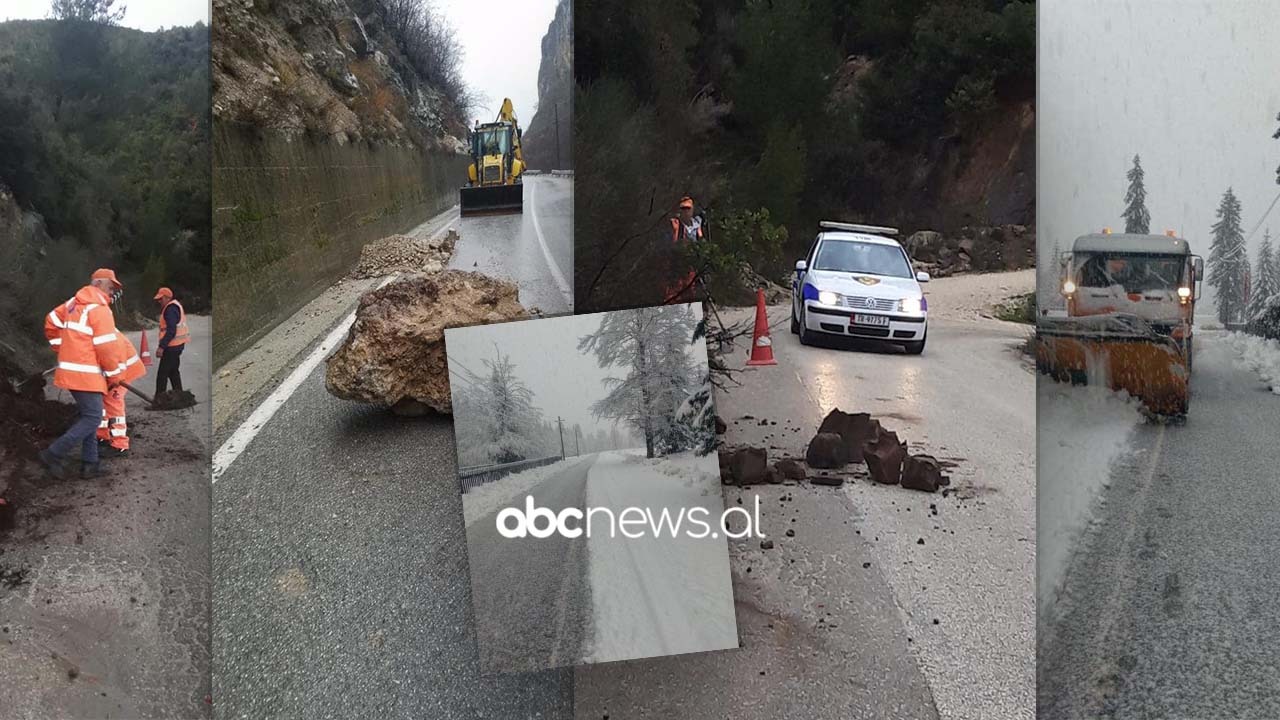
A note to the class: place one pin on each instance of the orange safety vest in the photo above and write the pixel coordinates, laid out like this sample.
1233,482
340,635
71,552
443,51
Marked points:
180,335
83,332
682,290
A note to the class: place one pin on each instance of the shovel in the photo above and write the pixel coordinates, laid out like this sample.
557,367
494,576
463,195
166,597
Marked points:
20,386
150,400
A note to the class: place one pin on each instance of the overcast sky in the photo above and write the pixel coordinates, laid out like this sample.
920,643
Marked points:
146,15
545,352
503,46
1192,87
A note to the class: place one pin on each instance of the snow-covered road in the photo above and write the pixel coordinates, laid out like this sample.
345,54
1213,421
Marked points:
1167,602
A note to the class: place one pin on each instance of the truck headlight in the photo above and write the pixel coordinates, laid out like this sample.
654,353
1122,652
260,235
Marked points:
826,297
1068,288
1184,292
910,306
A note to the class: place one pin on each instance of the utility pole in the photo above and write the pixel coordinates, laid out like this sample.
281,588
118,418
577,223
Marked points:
577,433
560,423
559,165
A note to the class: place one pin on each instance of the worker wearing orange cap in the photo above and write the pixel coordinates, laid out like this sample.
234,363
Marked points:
83,333
685,228
173,338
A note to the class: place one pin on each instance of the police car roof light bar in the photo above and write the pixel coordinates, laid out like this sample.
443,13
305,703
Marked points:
873,229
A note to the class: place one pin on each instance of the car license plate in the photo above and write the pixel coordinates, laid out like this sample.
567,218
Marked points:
873,320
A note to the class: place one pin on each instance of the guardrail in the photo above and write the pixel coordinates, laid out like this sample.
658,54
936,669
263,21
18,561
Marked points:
477,475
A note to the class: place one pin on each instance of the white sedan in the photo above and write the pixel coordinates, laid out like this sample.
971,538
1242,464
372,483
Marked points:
857,281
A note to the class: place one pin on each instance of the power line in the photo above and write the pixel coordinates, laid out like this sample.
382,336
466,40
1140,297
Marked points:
1264,217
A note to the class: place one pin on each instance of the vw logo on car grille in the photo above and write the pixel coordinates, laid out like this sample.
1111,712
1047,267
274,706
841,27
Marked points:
867,303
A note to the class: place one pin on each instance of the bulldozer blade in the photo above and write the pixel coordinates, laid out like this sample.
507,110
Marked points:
1120,353
492,199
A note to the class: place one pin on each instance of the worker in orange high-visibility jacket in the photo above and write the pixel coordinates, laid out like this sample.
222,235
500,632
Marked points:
686,228
113,431
83,332
173,338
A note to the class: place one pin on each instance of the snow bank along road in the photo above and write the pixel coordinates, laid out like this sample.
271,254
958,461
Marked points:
852,617
113,620
1167,606
339,550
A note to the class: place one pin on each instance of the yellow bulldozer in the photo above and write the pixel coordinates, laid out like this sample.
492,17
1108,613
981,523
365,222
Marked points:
1130,310
494,183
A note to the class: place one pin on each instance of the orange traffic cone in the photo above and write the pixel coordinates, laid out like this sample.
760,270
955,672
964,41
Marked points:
761,343
146,352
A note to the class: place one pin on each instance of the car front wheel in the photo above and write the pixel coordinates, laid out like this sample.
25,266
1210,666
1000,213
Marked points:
803,330
795,326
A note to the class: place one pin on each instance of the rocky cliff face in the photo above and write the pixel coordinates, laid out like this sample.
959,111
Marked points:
555,92
328,68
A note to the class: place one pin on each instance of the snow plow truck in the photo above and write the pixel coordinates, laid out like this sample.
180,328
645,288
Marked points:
1130,310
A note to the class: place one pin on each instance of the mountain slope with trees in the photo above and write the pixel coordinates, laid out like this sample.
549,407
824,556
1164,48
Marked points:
104,150
775,115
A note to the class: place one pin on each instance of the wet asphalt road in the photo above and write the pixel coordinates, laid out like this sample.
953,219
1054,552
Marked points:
112,619
852,617
531,595
534,249
341,575
1169,607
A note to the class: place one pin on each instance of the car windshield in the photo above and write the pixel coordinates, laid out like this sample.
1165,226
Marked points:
1135,273
862,257
494,141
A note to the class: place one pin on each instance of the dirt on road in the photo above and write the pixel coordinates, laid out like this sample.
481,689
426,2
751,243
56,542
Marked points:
104,584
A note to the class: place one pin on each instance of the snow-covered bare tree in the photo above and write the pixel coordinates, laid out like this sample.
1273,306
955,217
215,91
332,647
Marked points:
1229,261
1136,217
652,346
495,419
1266,277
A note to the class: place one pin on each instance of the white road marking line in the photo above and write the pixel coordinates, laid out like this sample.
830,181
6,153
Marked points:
230,450
565,289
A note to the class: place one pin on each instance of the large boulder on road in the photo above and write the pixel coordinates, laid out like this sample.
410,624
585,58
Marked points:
393,355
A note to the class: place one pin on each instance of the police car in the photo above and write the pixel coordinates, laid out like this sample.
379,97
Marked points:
858,282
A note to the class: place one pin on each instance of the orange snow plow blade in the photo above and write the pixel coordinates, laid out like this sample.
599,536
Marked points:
1119,351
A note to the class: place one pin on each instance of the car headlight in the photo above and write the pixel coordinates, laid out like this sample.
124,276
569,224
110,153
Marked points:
826,297
1184,292
910,306
1068,288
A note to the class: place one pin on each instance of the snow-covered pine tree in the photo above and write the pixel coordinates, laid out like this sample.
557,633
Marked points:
512,428
651,344
1136,217
1266,277
1228,261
